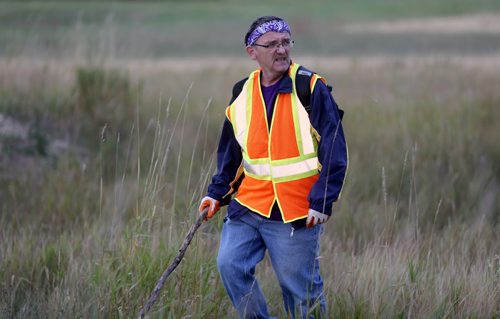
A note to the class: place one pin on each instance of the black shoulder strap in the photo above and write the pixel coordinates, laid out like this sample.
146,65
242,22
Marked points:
303,87
237,89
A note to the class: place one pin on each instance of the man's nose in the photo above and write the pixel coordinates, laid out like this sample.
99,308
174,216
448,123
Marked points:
280,48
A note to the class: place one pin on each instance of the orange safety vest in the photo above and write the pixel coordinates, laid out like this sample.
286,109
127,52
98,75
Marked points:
280,163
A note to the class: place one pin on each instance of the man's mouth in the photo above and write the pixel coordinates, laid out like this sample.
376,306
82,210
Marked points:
281,59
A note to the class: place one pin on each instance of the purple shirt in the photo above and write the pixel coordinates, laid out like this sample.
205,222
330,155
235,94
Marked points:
269,94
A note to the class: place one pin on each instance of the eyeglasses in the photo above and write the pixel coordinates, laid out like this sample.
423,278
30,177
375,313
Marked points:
286,44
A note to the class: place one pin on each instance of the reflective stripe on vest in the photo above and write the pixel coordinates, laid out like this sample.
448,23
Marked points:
283,158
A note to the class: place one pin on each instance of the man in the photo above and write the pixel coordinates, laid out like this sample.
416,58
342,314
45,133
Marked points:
287,167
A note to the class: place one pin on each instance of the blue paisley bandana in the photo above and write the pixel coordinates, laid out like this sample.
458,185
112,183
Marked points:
270,26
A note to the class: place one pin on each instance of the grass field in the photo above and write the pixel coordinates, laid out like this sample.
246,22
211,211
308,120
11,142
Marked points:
110,115
93,31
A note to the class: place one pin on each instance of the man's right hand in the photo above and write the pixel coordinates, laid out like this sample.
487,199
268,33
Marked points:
212,204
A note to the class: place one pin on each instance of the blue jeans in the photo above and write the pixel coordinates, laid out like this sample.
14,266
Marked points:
293,254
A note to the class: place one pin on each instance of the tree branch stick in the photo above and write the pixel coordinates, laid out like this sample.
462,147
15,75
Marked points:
154,295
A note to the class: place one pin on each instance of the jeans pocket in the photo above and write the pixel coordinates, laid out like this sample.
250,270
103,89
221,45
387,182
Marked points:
321,230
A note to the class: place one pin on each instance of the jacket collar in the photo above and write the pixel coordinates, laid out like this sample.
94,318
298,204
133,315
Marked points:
286,84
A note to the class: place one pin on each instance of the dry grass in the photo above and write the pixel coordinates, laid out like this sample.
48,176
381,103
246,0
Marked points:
415,234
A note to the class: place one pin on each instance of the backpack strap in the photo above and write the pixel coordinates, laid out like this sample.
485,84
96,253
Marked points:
303,87
237,89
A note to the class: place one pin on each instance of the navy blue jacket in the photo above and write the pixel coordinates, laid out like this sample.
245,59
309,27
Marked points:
332,155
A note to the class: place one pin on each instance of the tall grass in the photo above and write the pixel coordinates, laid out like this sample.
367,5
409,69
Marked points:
87,234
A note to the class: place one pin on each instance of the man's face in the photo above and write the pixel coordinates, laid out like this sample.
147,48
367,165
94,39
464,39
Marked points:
273,59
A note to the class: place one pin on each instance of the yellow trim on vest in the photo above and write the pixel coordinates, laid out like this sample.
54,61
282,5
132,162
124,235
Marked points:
294,177
238,121
236,178
255,210
256,160
248,108
296,120
293,160
315,79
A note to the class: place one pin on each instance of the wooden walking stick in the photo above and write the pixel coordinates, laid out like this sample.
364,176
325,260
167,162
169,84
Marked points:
187,240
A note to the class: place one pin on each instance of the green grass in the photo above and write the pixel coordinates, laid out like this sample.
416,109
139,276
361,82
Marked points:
415,234
204,11
98,30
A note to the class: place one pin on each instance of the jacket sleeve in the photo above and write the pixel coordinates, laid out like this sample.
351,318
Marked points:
229,166
332,150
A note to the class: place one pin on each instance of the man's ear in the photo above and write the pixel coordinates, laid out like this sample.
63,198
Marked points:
252,53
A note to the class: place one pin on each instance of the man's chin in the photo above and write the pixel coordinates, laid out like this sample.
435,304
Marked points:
282,65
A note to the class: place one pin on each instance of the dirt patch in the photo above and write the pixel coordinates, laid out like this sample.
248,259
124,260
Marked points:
478,23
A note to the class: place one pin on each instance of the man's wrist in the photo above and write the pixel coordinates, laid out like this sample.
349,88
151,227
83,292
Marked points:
214,196
321,208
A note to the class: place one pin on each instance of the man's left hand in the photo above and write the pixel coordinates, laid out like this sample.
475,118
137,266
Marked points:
315,218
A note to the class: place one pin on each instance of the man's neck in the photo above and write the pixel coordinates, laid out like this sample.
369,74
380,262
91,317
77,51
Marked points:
270,78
